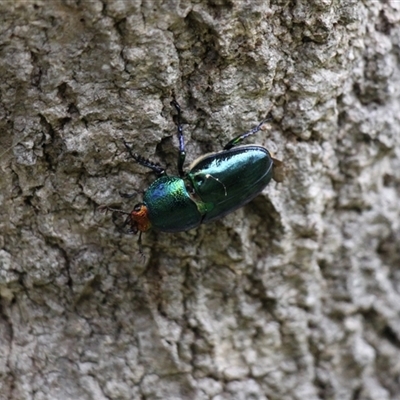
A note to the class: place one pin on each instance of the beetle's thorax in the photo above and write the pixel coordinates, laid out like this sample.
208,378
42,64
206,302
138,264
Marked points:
140,218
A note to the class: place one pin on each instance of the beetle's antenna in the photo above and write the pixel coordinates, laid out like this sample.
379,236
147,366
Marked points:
127,195
106,209
141,247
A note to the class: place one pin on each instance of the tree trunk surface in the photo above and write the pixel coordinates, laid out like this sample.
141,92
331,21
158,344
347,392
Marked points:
296,295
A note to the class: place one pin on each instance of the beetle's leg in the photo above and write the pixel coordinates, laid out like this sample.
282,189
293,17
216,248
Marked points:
182,153
106,209
235,141
158,169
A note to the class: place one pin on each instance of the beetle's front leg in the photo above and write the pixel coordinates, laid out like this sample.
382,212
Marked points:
158,169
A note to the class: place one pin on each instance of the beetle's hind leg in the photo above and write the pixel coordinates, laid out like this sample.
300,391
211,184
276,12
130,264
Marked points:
238,139
182,153
158,169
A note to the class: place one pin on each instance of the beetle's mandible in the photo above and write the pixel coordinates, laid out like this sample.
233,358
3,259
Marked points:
214,185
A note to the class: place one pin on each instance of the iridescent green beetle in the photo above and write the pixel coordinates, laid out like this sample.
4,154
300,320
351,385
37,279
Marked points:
215,185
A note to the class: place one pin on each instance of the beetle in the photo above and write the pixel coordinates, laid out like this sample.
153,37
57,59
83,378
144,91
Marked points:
215,185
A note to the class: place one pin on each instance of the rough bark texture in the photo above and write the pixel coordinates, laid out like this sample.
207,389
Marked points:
294,296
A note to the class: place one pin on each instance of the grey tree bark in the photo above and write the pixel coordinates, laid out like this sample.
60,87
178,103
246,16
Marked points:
294,296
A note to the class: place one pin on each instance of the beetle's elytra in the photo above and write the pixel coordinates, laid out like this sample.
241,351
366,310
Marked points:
215,185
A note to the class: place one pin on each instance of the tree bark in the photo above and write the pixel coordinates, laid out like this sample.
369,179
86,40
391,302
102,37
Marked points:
294,296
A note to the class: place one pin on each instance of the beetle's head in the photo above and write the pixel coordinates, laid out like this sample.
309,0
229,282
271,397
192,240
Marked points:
139,219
